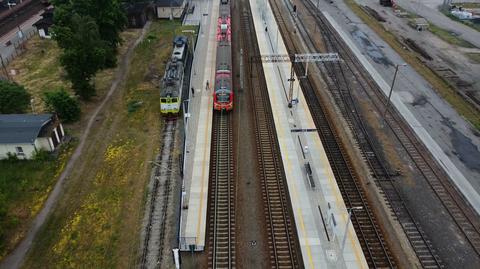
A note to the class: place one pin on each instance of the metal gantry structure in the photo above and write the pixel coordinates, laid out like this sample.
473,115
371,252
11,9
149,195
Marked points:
297,58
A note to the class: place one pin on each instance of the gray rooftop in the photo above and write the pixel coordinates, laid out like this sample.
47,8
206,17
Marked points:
21,128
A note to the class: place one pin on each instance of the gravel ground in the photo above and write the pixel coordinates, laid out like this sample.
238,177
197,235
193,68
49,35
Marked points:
252,240
426,208
437,224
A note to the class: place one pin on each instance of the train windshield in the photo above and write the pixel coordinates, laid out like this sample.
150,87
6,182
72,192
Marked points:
223,97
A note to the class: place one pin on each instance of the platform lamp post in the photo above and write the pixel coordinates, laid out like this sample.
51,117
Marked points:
391,91
349,210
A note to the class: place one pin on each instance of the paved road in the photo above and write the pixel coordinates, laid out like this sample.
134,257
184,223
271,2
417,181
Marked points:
433,15
15,259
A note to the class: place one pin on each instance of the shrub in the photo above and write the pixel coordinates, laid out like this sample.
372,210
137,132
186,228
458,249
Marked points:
13,98
11,157
63,104
42,155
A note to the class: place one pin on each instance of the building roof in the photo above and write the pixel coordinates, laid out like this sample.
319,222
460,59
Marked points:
21,128
48,13
137,7
169,3
44,23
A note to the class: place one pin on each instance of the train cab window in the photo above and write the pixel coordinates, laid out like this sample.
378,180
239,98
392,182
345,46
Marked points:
223,97
174,100
163,100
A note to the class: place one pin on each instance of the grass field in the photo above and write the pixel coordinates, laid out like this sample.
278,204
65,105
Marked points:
468,5
39,70
464,108
474,57
25,185
449,37
98,219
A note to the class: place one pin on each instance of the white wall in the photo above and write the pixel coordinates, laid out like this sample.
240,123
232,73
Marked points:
165,12
28,150
42,34
44,143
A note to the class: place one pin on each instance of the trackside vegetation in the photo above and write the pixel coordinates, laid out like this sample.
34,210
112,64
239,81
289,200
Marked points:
97,221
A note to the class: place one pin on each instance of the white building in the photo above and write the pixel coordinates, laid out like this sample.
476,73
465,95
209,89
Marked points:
170,9
24,134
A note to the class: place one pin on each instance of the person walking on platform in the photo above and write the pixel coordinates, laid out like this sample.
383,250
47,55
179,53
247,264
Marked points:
193,92
208,86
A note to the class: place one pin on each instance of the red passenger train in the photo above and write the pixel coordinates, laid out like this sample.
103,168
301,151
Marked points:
223,94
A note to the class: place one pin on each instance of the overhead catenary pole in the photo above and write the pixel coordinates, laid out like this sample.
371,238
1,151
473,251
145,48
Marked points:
349,210
298,58
391,91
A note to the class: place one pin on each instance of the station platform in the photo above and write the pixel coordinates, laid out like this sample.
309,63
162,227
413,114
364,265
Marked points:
198,129
321,217
463,183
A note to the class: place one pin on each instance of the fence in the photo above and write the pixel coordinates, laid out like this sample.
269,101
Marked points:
13,48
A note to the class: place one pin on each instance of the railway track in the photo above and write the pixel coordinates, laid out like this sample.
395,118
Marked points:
341,91
222,194
460,212
160,197
16,18
280,227
370,236
350,76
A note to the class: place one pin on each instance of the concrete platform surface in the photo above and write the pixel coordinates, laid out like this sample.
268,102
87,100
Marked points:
320,214
198,133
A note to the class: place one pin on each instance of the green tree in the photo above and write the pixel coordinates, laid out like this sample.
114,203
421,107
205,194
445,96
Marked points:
60,102
107,14
111,20
13,98
83,51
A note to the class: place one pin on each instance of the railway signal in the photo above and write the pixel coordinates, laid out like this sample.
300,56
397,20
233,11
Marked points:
298,58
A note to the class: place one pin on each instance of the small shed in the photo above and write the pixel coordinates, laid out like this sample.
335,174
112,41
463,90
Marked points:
43,25
24,134
138,13
171,9
419,24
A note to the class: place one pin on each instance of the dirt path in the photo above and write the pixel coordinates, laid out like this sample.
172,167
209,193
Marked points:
15,259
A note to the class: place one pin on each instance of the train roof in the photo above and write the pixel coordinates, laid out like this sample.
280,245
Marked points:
180,40
172,80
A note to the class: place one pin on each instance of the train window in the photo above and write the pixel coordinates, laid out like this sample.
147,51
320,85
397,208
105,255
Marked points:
223,97
174,100
163,100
